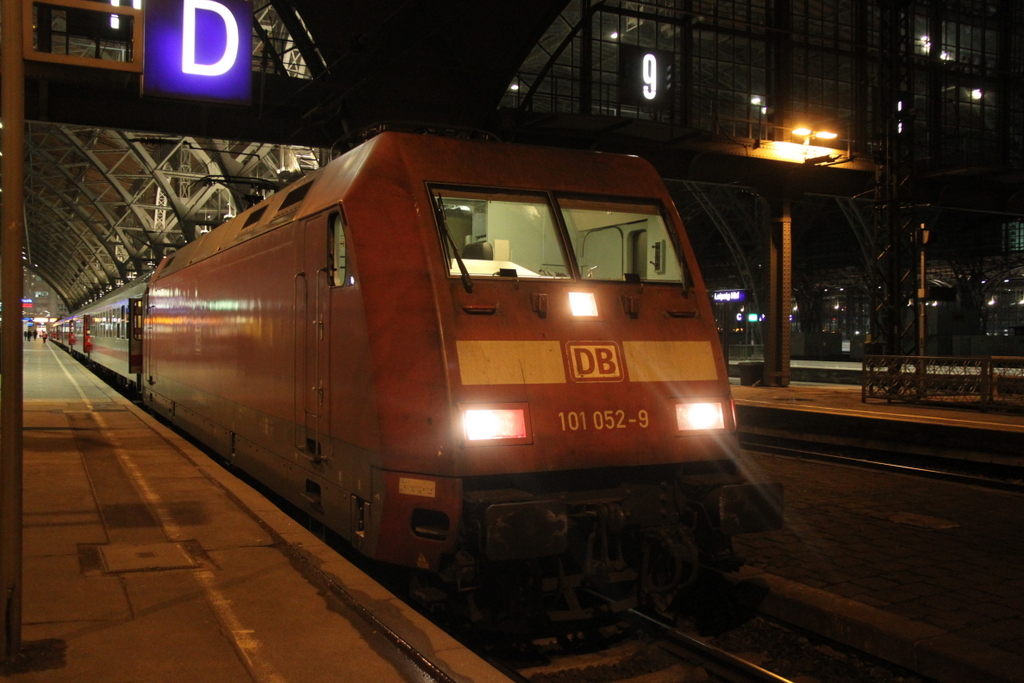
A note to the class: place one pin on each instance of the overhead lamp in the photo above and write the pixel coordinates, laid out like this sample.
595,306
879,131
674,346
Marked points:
815,155
807,133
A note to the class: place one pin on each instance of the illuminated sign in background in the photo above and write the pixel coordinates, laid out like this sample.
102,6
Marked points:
645,77
198,50
728,296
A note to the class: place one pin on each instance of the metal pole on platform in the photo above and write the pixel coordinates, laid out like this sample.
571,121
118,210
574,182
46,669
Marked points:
12,224
780,292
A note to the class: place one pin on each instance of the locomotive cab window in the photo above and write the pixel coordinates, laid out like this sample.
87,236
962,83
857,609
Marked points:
613,239
499,233
338,256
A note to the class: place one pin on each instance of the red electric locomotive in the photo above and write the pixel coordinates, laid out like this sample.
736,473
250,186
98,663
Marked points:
469,358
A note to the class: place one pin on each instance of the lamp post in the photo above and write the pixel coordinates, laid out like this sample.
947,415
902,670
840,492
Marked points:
922,292
762,109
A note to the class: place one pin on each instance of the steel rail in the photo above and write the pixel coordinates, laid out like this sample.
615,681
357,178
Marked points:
880,463
723,664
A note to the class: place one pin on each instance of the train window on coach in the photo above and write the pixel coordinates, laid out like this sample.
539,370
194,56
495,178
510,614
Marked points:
499,231
613,238
338,251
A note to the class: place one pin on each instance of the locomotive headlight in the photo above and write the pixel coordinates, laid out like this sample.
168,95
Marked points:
492,424
583,304
699,416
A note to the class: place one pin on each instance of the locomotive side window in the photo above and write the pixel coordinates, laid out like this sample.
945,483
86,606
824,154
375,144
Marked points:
338,256
498,232
613,239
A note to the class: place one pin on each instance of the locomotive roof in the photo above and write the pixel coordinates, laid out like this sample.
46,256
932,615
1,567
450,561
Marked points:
427,158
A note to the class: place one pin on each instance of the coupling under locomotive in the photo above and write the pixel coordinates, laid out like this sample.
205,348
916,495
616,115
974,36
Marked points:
469,358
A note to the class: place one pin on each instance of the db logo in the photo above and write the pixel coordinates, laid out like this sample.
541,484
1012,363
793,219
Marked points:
594,361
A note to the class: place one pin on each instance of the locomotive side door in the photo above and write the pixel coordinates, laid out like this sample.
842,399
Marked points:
312,348
133,326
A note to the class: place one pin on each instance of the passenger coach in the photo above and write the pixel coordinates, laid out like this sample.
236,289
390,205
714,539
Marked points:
107,334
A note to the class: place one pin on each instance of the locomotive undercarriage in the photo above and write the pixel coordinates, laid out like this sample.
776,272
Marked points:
580,554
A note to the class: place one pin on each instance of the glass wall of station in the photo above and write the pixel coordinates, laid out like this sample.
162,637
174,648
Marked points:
753,69
748,71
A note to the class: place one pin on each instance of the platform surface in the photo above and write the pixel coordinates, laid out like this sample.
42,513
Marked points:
846,399
925,573
144,560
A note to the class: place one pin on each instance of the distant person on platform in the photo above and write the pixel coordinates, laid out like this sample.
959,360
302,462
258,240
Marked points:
44,335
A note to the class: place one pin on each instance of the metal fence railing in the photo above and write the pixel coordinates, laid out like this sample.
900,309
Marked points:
988,382
746,352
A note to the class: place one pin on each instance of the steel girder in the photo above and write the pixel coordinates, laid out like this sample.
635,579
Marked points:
740,216
103,207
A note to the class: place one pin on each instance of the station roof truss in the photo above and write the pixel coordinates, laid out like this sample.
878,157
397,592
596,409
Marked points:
103,206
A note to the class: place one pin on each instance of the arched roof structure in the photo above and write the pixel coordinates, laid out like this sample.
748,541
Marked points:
107,198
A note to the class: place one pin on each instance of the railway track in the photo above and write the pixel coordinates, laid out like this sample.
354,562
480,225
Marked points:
985,475
656,652
721,664
747,649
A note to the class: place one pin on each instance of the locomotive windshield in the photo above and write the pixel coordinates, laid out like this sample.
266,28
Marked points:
612,239
497,232
516,234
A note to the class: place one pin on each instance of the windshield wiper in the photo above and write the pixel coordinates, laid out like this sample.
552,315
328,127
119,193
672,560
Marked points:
467,283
